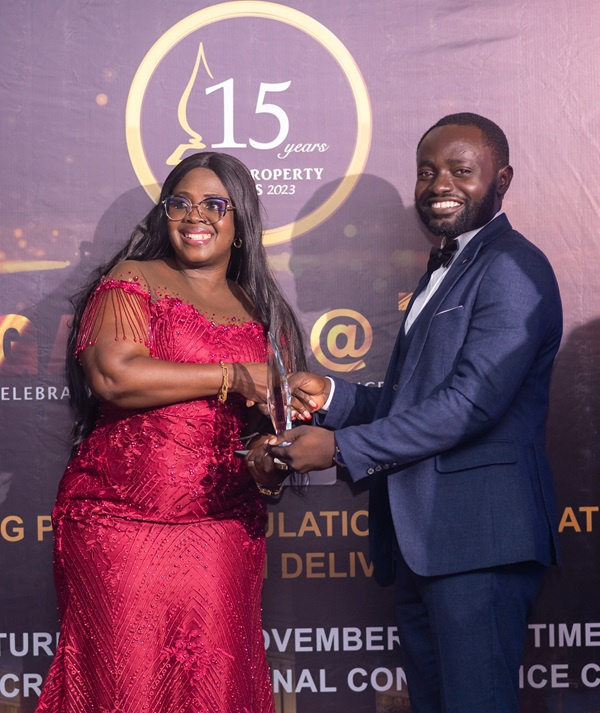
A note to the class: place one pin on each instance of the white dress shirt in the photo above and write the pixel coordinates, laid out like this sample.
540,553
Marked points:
438,275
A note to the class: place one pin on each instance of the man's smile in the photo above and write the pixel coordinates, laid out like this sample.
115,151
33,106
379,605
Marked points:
443,208
445,204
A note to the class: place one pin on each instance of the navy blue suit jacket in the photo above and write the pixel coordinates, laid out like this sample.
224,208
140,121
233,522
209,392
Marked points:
454,440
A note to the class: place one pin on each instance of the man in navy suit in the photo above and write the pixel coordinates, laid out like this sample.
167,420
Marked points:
462,509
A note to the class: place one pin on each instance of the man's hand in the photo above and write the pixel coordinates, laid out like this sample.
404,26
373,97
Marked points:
311,448
309,393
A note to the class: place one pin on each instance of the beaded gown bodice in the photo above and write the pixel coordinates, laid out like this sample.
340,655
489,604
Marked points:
175,463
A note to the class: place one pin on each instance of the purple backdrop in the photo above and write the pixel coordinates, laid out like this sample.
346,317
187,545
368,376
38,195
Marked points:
325,102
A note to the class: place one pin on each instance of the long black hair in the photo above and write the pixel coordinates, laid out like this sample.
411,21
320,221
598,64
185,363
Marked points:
248,267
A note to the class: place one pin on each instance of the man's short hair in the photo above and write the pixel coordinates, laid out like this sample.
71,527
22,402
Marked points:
493,136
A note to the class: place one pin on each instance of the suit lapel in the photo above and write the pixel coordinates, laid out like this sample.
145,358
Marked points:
420,328
395,356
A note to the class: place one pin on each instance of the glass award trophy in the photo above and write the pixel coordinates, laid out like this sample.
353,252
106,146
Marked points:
279,396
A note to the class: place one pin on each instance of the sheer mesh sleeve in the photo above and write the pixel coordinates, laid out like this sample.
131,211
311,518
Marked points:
118,305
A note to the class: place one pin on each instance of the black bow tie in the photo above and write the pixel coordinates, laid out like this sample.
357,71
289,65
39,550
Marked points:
442,256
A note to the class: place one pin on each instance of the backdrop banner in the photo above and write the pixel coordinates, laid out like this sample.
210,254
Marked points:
325,102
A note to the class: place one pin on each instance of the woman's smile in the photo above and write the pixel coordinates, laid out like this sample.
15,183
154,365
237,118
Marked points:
196,235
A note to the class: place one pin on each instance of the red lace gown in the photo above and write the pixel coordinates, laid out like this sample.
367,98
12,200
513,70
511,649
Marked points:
159,538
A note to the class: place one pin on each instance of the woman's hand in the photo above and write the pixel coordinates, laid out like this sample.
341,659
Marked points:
309,393
268,474
250,380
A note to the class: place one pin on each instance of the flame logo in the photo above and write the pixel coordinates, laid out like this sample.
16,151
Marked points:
195,141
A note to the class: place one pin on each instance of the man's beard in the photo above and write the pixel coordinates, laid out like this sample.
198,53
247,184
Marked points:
472,216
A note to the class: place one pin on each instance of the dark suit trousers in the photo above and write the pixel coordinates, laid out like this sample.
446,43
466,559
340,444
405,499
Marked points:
463,636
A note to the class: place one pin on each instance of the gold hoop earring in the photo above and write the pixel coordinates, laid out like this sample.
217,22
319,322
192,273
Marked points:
237,242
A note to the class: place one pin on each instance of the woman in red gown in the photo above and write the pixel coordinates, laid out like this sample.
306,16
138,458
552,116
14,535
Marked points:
159,528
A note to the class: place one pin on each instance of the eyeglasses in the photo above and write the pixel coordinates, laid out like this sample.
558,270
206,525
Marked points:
210,210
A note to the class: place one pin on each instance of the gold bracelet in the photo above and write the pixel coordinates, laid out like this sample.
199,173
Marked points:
222,392
271,492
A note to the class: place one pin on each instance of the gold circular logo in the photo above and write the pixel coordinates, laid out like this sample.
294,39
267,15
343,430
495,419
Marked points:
271,11
346,332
